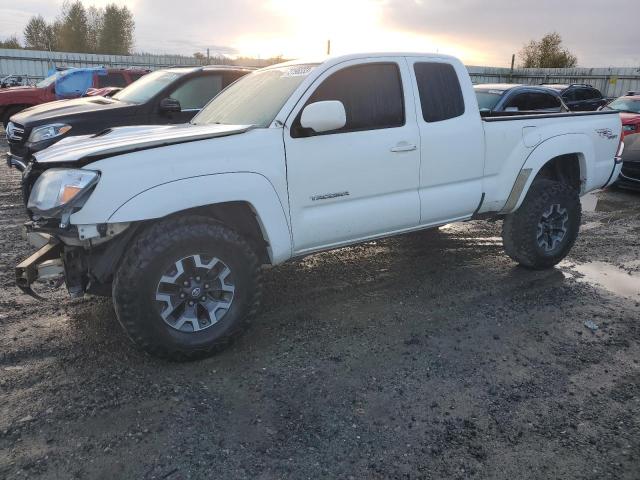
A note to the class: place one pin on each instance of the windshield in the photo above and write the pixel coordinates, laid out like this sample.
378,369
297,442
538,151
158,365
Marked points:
625,105
488,99
141,91
48,81
256,98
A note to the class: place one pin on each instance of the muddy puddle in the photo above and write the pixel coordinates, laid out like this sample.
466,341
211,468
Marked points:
607,276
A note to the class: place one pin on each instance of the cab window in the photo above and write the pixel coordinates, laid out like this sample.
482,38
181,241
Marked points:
439,89
371,94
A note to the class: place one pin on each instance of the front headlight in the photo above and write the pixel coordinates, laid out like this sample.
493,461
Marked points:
59,188
46,132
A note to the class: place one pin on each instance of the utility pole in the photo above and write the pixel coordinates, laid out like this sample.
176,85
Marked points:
328,47
513,61
208,62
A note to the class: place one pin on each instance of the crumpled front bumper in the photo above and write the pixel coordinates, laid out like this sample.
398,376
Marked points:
85,266
44,263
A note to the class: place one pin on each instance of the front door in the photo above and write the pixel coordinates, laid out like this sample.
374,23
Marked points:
362,180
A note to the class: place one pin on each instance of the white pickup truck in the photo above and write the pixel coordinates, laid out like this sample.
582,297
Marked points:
175,222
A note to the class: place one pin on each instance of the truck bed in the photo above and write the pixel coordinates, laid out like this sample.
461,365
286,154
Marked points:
508,148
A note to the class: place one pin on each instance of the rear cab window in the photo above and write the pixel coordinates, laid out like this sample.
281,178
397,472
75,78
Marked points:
439,89
112,79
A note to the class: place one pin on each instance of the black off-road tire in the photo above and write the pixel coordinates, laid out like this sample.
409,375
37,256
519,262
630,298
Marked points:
135,283
520,229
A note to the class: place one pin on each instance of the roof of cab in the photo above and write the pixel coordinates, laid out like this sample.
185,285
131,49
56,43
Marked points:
197,68
334,60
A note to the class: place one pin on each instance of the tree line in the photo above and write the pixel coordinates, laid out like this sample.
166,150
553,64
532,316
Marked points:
106,30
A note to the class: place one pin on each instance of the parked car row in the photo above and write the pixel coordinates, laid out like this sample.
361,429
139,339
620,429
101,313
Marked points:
516,99
513,98
629,108
168,96
545,98
63,84
579,97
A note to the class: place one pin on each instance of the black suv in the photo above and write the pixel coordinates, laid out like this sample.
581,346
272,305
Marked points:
501,98
167,96
579,97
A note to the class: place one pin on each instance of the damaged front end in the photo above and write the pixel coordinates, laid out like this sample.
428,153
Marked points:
83,256
86,265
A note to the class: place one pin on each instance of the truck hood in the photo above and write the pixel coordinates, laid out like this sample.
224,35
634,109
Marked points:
118,141
78,108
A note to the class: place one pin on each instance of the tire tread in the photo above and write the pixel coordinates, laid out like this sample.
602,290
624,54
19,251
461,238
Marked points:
145,249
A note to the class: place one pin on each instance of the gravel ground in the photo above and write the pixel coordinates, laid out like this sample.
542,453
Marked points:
424,356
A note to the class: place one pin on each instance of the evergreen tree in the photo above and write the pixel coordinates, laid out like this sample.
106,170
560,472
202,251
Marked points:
39,35
73,27
116,34
95,20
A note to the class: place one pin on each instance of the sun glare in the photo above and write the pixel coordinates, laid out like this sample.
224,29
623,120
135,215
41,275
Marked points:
351,25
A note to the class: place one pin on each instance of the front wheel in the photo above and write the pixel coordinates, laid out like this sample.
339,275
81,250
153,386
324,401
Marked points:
186,287
542,231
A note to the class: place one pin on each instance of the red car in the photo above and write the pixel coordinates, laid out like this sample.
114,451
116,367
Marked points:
15,99
629,108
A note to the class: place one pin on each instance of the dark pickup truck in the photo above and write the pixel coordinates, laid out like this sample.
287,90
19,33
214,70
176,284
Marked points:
168,96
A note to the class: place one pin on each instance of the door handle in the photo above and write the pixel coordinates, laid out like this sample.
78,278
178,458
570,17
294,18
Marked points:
404,147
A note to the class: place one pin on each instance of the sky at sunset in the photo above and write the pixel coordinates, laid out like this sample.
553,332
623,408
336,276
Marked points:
481,32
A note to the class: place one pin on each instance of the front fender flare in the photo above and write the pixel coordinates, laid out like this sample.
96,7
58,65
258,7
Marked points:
183,194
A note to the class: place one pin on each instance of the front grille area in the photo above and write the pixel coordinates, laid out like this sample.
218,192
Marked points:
15,133
16,137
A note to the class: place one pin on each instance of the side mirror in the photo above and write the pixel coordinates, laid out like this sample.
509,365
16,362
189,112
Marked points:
324,116
169,104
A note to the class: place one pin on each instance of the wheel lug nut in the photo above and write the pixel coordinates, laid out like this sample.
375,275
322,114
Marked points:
182,295
191,303
203,298
206,285
185,283
197,279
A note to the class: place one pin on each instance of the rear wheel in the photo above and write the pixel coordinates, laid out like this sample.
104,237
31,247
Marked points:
542,231
186,288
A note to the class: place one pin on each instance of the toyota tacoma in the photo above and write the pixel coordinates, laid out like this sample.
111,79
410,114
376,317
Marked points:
175,222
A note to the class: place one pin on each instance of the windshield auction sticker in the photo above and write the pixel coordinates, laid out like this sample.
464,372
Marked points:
297,71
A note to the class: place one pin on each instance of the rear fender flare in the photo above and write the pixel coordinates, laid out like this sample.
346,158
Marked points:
575,143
